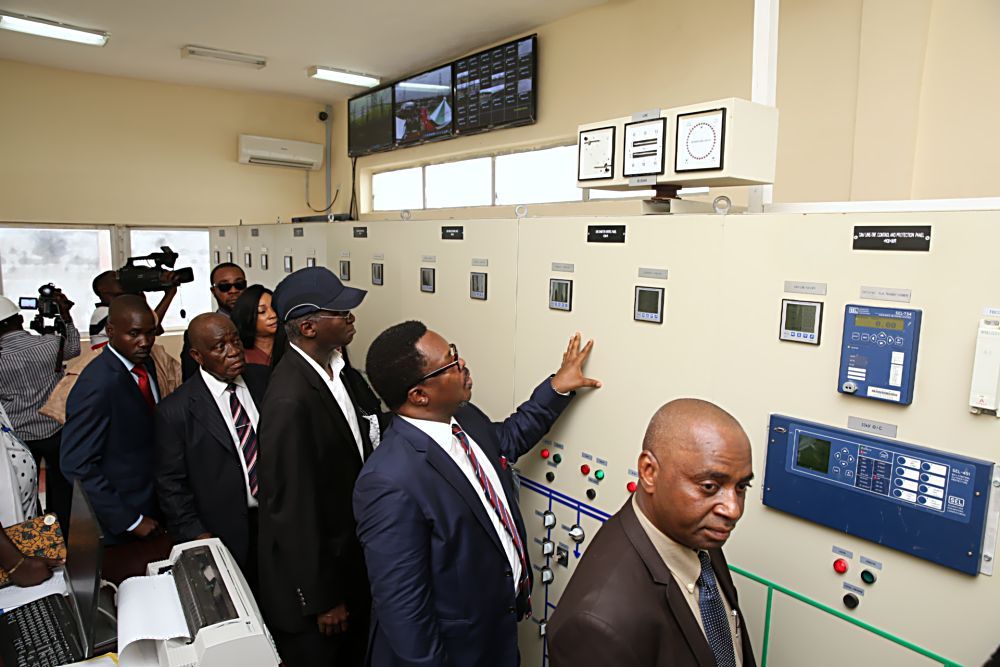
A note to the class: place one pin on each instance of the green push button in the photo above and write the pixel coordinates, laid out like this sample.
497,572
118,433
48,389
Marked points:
557,458
599,475
868,577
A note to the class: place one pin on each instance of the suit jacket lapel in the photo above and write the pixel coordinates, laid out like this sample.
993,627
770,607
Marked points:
206,412
446,467
329,402
661,574
124,376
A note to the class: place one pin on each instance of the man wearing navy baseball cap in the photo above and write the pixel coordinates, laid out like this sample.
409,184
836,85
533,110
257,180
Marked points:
318,424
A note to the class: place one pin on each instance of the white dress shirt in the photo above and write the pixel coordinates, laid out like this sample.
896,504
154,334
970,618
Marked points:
129,366
339,392
441,433
219,391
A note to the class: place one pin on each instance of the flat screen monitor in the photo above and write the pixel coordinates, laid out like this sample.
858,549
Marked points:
496,87
369,122
83,562
422,106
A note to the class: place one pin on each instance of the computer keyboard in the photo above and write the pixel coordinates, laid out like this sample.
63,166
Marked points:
36,636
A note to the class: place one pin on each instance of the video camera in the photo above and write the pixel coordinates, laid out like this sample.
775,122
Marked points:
47,306
135,279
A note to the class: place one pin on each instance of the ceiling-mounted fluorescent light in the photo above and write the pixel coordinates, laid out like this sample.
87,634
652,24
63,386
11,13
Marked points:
342,76
432,87
220,56
53,29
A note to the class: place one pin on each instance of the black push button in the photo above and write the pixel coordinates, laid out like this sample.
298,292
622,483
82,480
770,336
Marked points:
591,494
550,476
851,601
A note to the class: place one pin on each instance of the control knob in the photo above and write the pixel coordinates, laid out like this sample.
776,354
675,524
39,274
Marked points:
547,575
576,534
548,519
548,547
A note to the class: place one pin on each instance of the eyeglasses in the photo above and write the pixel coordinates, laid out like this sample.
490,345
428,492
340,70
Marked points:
333,314
444,369
226,287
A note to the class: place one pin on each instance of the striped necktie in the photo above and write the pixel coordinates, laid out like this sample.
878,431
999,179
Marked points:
246,435
496,502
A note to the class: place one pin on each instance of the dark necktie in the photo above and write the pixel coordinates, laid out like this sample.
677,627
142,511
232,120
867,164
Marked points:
713,615
247,437
496,502
144,387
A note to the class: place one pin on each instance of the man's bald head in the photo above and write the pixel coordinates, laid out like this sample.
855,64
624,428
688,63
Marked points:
694,470
216,346
683,423
131,327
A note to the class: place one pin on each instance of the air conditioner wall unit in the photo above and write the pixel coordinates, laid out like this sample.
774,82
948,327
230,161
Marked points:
280,152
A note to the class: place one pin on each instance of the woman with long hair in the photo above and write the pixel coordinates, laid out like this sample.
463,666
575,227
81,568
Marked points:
257,324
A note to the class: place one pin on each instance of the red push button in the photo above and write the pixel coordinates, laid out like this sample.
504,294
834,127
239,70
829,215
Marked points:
545,453
631,486
840,566
585,469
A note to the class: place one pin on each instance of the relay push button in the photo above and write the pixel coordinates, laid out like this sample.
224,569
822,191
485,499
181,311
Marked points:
840,566
544,453
599,475
557,458
868,577
585,469
631,486
851,601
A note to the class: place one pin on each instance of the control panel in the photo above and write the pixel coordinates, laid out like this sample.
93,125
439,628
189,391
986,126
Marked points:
878,355
929,503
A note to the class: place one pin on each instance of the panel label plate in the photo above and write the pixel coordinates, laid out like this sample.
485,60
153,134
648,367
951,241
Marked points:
360,232
872,426
799,287
899,294
605,233
893,237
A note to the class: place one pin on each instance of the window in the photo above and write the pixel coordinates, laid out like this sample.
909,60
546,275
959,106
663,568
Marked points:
192,248
535,177
398,190
460,183
69,258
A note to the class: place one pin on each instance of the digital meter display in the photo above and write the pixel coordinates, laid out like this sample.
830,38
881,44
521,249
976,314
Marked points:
814,454
872,322
800,317
560,294
648,304
427,279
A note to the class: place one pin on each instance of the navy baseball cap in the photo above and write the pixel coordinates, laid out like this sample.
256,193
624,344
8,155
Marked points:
311,289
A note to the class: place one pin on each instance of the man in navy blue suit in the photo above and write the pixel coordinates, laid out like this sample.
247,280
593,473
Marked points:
436,507
108,437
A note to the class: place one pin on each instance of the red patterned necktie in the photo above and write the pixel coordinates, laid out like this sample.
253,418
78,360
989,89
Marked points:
496,502
144,387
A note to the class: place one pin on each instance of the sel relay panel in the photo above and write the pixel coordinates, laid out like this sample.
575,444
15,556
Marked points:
878,354
928,503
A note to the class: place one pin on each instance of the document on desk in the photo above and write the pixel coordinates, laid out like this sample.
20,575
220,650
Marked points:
148,611
12,597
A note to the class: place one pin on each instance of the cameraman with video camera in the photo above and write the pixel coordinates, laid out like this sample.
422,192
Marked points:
30,367
135,279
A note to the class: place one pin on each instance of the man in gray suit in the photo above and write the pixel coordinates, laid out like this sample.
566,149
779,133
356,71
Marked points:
653,588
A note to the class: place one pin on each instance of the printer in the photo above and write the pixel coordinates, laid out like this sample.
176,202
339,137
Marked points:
223,620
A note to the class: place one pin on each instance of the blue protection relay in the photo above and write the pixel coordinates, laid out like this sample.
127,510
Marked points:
928,503
878,353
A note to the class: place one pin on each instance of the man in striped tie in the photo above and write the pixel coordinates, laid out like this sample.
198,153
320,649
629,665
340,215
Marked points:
206,445
436,508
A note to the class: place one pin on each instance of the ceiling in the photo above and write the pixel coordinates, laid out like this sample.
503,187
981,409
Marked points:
387,38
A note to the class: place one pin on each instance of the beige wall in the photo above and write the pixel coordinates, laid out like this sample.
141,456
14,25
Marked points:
97,149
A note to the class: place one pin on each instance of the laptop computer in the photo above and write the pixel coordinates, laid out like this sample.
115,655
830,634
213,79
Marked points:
59,629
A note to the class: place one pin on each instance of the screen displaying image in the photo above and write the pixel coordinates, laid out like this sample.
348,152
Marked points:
649,301
800,317
426,280
496,87
422,106
345,269
376,274
369,122
477,285
813,454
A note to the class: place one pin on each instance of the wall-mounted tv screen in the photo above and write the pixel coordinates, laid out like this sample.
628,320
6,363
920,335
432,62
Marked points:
422,106
496,87
369,122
